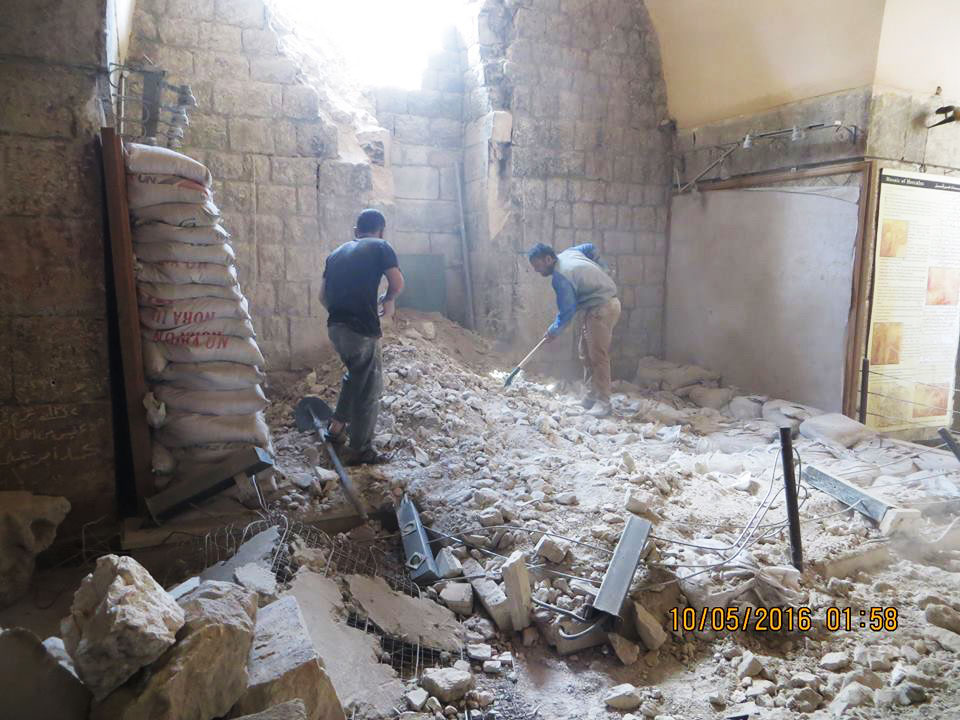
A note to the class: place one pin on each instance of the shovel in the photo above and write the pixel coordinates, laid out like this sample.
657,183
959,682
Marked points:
523,362
312,414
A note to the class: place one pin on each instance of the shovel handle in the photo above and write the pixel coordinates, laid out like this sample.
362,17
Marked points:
523,362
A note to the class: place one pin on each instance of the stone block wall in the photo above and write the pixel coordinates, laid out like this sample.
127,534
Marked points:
286,196
56,432
563,100
426,128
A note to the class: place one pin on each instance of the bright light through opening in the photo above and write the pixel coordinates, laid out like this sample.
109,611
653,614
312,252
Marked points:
382,42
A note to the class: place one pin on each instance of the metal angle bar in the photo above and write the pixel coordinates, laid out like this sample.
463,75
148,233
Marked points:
421,564
866,504
790,490
951,441
626,558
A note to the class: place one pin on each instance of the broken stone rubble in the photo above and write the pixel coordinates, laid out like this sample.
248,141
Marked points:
34,684
28,525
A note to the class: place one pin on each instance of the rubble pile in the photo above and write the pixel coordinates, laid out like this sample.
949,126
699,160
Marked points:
523,477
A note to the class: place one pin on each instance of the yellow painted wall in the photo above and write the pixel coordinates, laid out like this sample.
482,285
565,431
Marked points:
920,46
723,58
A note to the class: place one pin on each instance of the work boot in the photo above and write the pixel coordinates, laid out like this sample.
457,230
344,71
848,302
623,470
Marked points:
339,437
367,456
600,409
588,402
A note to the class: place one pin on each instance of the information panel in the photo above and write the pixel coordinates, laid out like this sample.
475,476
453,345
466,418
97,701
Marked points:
915,317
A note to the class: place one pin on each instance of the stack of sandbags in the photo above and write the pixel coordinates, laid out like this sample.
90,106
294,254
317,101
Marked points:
200,353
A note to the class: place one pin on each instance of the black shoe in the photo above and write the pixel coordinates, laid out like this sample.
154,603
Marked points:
337,438
368,456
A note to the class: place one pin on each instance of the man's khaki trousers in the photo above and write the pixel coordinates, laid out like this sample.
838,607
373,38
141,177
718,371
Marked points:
595,338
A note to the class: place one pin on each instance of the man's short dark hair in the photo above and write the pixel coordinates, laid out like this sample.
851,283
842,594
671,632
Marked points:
370,222
540,250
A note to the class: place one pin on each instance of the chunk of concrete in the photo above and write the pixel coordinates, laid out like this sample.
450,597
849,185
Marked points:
28,525
258,549
283,665
291,710
34,685
55,647
749,666
943,616
205,673
516,581
458,597
623,697
120,621
350,656
551,549
417,698
479,652
448,564
259,579
947,639
835,429
415,619
835,661
627,651
447,684
901,521
649,630
493,599
851,696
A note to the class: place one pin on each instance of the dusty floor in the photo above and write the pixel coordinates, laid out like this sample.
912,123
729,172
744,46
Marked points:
455,430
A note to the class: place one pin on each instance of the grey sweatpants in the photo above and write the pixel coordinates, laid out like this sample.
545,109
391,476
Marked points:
359,401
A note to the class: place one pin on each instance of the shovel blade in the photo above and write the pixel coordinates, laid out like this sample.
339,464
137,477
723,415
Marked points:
311,413
510,377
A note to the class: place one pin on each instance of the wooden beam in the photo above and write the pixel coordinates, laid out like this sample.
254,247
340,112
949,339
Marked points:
199,486
128,313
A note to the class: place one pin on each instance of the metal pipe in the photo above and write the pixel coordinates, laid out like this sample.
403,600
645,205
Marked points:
790,487
864,387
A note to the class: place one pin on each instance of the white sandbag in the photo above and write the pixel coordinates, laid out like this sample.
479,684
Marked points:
783,413
154,363
162,460
686,375
188,215
162,161
212,402
160,294
211,376
835,429
144,189
234,327
221,254
650,372
204,346
746,407
180,313
183,430
151,232
714,398
186,272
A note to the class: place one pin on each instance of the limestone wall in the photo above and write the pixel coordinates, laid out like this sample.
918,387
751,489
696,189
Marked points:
287,195
56,434
562,102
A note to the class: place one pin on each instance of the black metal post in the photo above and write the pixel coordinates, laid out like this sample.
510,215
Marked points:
790,486
864,386
951,441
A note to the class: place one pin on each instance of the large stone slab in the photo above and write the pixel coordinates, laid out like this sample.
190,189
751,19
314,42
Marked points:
258,549
350,656
120,621
28,524
205,673
292,710
447,684
415,620
284,665
34,684
491,596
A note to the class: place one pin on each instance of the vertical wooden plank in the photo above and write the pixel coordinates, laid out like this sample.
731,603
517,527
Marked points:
128,314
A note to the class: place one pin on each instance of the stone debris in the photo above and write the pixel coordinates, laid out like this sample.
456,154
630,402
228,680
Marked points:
852,696
458,596
214,645
649,630
628,652
623,697
551,549
417,698
290,710
448,564
835,661
943,616
259,579
57,649
447,684
516,582
479,652
492,667
283,665
749,666
34,684
490,595
258,549
120,620
805,700
28,525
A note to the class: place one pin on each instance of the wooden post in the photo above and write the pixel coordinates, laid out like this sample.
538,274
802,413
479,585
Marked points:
128,313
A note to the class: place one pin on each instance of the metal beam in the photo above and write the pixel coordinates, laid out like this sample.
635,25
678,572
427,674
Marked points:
194,488
626,558
857,498
951,441
416,547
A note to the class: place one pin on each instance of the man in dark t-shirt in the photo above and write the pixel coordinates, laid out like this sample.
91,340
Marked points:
351,281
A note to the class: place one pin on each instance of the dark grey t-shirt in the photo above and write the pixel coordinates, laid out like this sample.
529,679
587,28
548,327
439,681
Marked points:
351,280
